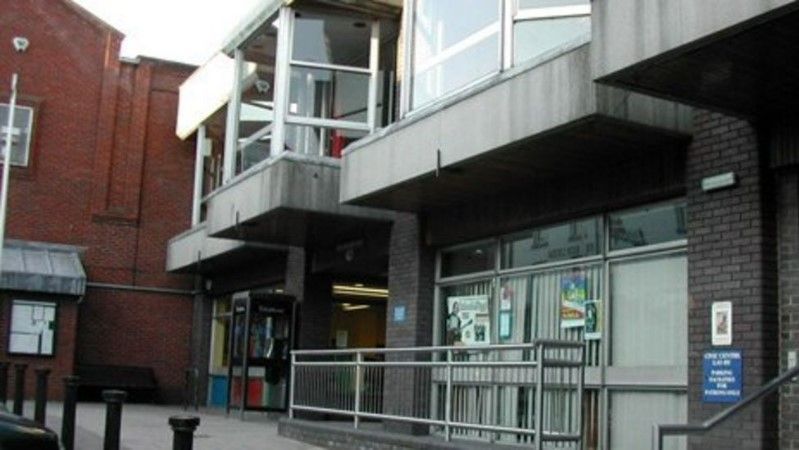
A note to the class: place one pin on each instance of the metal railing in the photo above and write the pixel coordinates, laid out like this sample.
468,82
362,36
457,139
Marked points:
520,393
661,431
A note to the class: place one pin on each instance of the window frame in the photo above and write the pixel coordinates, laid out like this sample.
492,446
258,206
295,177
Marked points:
30,130
55,324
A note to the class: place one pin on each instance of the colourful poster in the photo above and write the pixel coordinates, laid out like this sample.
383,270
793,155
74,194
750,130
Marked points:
468,321
573,294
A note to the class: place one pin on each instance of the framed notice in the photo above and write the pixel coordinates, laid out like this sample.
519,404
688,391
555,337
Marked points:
468,322
721,323
593,320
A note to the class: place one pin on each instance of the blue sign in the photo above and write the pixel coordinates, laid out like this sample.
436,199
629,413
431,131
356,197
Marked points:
723,381
399,314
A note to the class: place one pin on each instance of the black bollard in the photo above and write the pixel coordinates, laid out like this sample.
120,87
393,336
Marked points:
3,384
68,421
40,406
113,418
19,387
183,431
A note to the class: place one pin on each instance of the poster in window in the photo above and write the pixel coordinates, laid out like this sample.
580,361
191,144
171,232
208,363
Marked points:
506,294
573,294
468,321
32,328
593,320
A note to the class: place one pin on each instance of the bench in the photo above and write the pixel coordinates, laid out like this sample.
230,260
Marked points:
139,382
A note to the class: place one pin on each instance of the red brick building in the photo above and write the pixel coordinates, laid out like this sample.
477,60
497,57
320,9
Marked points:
105,174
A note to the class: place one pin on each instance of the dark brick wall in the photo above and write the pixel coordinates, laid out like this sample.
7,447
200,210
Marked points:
788,257
731,257
315,300
107,173
411,277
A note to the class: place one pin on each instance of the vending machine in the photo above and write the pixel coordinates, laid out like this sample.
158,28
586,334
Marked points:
260,343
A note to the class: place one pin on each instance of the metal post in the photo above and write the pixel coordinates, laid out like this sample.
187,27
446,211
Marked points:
358,361
199,160
293,385
374,72
245,359
3,384
12,107
448,400
40,407
183,431
19,387
113,418
68,421
232,124
539,398
280,93
581,391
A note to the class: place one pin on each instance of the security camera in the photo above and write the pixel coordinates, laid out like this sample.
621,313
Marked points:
21,44
262,86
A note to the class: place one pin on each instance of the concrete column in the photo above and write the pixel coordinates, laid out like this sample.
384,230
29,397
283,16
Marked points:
411,277
313,293
732,257
202,312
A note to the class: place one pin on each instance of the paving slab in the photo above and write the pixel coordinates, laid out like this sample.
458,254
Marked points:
145,427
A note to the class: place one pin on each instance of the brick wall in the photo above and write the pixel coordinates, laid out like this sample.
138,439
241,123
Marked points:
788,257
731,257
107,173
411,276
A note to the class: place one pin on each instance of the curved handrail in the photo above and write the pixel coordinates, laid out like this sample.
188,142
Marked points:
660,431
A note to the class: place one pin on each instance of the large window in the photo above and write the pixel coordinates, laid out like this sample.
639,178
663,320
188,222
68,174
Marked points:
617,281
456,43
32,328
21,133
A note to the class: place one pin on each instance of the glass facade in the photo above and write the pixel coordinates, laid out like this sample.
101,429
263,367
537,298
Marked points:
647,226
564,281
21,134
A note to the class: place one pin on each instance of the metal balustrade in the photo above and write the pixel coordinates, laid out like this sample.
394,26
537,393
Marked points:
520,393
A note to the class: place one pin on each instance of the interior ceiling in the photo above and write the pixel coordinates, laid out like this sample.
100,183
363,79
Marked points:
748,71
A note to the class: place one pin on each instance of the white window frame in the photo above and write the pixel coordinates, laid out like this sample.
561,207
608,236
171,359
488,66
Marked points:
510,15
28,129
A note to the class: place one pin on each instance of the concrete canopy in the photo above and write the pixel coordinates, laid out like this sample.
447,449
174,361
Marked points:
746,69
548,120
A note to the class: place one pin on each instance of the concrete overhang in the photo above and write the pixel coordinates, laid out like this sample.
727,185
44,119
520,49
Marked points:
548,120
193,251
734,56
291,199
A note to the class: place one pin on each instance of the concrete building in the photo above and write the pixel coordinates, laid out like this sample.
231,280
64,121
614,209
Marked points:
98,184
549,165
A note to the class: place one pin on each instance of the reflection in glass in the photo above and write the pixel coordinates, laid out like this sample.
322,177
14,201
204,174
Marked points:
320,141
329,94
534,38
647,226
331,39
455,42
564,241
474,258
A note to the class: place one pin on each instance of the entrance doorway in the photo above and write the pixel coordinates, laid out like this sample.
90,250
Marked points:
359,316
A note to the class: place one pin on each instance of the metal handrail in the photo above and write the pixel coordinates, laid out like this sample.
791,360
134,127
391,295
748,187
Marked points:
539,364
661,431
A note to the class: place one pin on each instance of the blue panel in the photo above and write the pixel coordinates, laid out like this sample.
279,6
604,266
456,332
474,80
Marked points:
722,376
218,390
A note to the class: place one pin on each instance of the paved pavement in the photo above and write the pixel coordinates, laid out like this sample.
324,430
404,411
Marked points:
145,427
